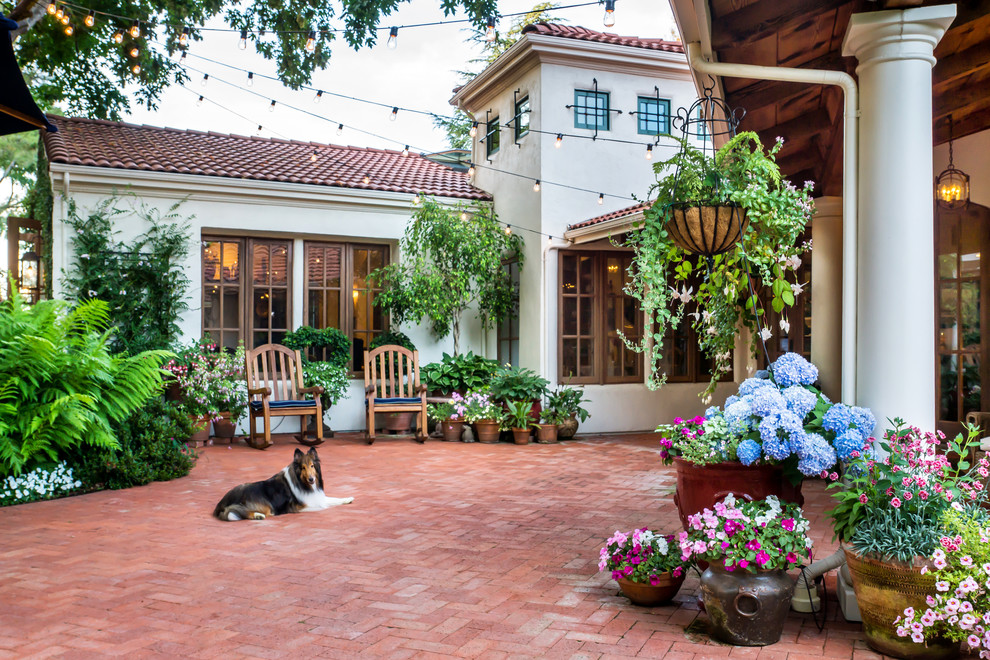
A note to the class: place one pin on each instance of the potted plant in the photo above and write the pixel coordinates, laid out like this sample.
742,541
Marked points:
550,419
894,504
458,373
450,414
395,421
320,344
647,566
775,431
568,400
228,393
749,546
335,381
517,419
484,413
741,176
519,384
211,383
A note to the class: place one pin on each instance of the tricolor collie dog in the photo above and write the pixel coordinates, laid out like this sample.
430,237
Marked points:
298,487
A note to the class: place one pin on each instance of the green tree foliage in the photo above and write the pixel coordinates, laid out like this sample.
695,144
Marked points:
17,167
60,386
88,72
448,265
142,281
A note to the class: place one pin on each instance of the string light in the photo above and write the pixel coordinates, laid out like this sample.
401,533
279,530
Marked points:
66,15
59,12
405,150
395,111
474,129
340,129
271,108
490,32
649,152
609,19
318,97
199,101
135,52
536,186
250,79
471,170
258,132
242,42
136,69
601,198
464,215
508,230
557,142
184,37
118,37
52,8
312,156
135,29
366,179
393,38
311,41
206,79
90,19
69,30
416,198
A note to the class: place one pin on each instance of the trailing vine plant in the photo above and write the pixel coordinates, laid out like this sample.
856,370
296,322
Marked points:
143,281
715,292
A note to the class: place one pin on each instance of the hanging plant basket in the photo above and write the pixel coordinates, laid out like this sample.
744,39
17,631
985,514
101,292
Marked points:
703,229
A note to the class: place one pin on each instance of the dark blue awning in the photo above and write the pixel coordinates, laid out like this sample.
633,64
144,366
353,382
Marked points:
18,111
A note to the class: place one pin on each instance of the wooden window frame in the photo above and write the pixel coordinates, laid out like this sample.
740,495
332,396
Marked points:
241,288
504,330
249,316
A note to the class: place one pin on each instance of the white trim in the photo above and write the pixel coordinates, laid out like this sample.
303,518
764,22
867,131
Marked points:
603,229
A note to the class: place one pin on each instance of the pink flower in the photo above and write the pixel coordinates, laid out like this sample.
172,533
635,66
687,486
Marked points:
743,563
863,498
788,524
791,558
896,503
762,557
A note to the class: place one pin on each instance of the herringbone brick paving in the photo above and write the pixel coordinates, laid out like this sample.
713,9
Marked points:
449,550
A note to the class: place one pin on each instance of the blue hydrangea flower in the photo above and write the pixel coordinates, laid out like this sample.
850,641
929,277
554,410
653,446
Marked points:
749,451
838,418
767,401
712,411
753,385
800,400
865,421
775,448
792,369
818,456
782,424
850,441
739,416
732,399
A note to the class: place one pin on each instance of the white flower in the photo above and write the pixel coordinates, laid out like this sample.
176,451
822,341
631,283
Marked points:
793,262
765,334
92,293
84,256
796,289
785,325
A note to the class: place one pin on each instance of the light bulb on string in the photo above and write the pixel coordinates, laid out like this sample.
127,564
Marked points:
199,101
490,32
395,111
242,42
136,69
59,12
393,38
536,186
52,8
464,215
184,37
405,150
340,129
415,199
260,128
66,17
318,97
271,108
559,140
206,79
250,79
471,170
601,198
366,179
135,29
90,19
118,37
474,129
649,152
69,30
508,230
135,52
609,19
312,156
311,41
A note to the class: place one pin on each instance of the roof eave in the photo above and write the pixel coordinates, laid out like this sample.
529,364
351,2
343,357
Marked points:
605,229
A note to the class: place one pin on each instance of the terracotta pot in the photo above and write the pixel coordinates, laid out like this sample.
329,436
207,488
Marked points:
399,421
744,608
883,589
546,433
452,429
201,435
648,595
702,229
486,430
521,436
701,486
224,428
568,428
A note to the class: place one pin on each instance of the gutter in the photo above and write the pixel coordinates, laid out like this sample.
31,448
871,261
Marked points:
850,176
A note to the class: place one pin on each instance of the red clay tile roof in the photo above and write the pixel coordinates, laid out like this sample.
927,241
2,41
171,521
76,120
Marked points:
621,213
99,143
584,34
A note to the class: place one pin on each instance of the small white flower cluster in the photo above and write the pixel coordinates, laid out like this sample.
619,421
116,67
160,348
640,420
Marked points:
38,484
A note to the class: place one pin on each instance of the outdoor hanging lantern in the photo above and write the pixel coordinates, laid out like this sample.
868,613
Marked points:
30,263
952,185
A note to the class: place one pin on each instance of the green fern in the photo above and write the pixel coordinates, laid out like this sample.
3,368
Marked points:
60,386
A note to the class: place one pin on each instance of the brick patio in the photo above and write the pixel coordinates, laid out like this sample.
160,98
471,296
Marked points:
449,550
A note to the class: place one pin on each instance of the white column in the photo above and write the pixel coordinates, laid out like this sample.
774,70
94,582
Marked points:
895,330
826,294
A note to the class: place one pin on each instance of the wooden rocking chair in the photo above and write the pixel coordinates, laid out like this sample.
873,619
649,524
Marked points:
391,384
281,368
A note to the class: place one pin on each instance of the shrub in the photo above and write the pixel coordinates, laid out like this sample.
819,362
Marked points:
326,345
151,449
392,337
39,484
517,383
60,387
458,373
332,378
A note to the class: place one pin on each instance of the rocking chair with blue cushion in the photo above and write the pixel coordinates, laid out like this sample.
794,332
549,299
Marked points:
391,384
275,388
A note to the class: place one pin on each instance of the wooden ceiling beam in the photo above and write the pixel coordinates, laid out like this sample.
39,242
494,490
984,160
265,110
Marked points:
967,11
764,18
958,99
806,159
976,119
800,128
962,63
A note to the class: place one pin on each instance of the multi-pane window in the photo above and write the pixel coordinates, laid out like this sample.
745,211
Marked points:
269,314
522,117
594,310
339,293
653,115
222,291
591,110
508,330
493,136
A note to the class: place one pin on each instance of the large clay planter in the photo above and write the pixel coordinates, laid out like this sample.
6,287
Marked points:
486,430
399,421
708,230
699,487
744,608
883,589
520,436
567,428
546,433
223,427
649,595
201,435
452,429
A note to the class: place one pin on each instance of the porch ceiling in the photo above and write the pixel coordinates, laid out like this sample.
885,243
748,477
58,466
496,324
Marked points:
808,34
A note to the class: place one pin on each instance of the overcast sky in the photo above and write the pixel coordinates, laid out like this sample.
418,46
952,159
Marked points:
419,73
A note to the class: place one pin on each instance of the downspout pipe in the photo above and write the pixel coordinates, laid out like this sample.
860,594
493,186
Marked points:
850,177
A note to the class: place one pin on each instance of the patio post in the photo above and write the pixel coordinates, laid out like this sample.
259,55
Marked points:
895,334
